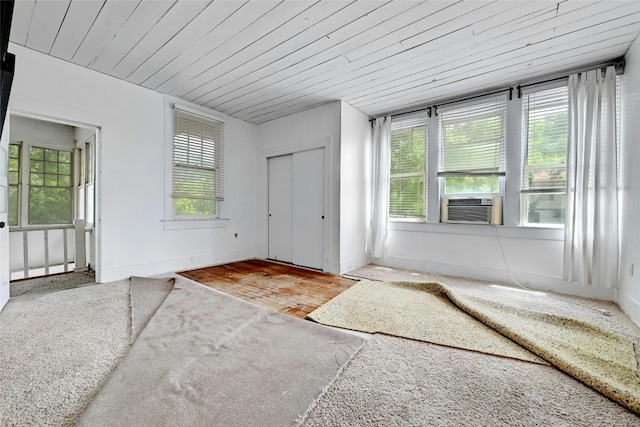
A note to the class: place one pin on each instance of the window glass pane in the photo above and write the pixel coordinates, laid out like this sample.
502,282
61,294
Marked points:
407,185
13,205
14,178
197,164
89,204
64,157
472,148
185,206
406,197
51,180
50,189
408,160
14,164
50,167
51,155
14,151
472,185
37,153
49,205
37,179
544,208
545,138
64,169
37,166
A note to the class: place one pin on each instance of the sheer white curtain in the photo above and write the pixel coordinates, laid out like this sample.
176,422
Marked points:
591,229
380,199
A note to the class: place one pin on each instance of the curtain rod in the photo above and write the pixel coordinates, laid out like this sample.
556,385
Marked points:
618,63
468,98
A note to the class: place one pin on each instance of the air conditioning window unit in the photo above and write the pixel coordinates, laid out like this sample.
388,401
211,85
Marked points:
471,210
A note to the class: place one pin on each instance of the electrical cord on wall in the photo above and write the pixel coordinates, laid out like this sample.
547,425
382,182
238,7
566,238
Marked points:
506,264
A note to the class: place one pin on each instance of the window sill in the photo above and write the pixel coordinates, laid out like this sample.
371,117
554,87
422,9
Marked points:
194,224
506,231
409,220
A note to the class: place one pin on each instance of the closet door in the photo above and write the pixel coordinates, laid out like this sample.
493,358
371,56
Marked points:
308,208
280,208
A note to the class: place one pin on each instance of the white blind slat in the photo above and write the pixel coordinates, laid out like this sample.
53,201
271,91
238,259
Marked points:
473,138
198,145
545,136
472,147
408,165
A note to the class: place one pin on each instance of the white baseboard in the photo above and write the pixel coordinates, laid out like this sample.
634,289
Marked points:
630,306
352,264
530,280
111,273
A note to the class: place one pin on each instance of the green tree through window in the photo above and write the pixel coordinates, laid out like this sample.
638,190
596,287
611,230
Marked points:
50,186
197,164
472,148
408,165
14,183
544,173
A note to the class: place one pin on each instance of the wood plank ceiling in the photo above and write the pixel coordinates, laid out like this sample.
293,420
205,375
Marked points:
260,60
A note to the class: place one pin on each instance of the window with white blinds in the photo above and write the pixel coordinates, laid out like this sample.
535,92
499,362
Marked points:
544,148
472,148
407,184
197,173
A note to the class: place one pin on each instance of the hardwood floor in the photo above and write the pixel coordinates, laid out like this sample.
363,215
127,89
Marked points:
283,288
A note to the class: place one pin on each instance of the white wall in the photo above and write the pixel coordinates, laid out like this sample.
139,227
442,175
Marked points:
532,256
317,127
355,188
41,133
629,291
131,235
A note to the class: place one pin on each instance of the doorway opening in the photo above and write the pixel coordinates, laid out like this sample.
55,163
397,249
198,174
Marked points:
51,203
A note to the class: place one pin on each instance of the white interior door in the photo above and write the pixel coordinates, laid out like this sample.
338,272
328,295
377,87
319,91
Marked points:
5,273
280,208
308,208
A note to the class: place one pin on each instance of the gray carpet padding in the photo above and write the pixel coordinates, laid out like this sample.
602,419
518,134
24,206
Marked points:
57,350
399,382
146,296
206,358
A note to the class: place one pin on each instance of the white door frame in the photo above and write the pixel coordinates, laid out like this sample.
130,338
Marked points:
98,173
5,269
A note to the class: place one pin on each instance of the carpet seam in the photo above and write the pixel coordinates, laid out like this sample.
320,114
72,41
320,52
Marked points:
301,419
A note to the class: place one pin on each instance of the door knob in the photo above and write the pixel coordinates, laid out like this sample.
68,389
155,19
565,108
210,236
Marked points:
1,224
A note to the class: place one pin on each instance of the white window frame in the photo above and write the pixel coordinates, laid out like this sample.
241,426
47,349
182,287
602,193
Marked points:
24,185
510,183
27,185
409,122
19,186
170,220
524,146
501,174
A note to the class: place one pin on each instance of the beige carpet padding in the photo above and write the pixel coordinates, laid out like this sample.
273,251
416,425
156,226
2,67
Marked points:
206,358
600,359
417,311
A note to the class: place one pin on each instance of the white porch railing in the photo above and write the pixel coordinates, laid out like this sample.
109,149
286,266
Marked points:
44,250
